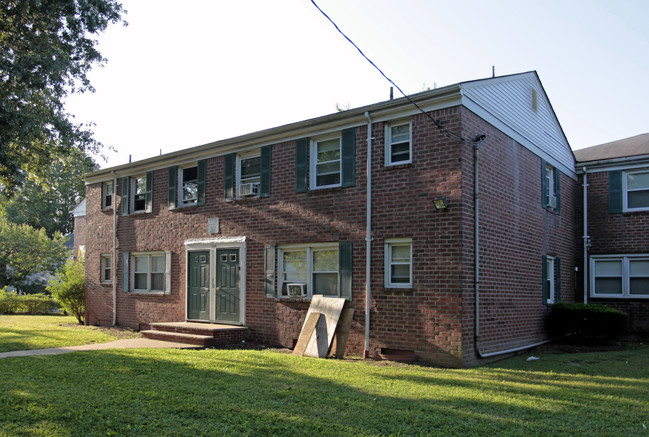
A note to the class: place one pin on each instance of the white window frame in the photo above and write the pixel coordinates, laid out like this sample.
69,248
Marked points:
626,275
389,143
388,262
239,181
105,195
181,182
149,272
313,161
133,194
551,278
625,185
106,266
550,175
309,249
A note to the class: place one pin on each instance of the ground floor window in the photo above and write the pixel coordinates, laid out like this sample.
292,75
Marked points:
149,271
106,269
619,276
398,263
551,279
306,270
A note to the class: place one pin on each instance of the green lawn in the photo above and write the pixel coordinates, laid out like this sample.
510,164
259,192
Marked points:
41,332
160,392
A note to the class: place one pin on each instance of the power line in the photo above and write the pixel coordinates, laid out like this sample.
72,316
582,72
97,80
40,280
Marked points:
438,123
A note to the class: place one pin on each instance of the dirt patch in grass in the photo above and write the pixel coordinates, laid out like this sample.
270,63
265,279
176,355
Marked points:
116,331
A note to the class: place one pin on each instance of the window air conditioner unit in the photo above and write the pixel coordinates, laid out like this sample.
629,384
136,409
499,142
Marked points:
249,189
553,202
296,289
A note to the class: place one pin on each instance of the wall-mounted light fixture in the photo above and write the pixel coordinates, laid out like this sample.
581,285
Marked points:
440,202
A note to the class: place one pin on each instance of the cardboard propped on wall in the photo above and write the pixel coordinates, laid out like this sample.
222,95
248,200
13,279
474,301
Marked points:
319,333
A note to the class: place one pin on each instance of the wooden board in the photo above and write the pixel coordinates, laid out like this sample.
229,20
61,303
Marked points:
307,330
331,308
339,342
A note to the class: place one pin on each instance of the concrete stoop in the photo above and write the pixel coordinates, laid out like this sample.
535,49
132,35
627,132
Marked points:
198,334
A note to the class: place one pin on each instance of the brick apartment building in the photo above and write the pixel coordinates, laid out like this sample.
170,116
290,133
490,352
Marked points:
450,231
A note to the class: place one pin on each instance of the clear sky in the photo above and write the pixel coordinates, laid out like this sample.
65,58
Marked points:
187,73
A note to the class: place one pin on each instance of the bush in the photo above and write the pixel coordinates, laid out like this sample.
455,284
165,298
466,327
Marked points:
12,303
590,321
68,288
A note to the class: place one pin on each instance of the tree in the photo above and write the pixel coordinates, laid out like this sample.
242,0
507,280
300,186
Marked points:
25,251
47,49
68,288
46,199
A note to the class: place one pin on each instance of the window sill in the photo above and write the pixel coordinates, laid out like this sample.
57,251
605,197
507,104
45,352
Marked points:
397,166
293,299
552,211
247,199
147,293
324,190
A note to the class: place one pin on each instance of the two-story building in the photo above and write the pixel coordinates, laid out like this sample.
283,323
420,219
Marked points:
447,221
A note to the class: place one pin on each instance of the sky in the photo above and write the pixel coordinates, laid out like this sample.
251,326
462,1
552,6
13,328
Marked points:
183,74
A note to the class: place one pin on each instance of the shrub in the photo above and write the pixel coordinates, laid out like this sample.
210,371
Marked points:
68,288
590,321
12,303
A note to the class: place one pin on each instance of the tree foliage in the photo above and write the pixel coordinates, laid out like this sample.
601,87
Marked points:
47,48
68,288
25,251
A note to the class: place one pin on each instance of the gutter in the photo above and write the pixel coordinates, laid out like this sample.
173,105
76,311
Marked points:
585,237
114,260
368,236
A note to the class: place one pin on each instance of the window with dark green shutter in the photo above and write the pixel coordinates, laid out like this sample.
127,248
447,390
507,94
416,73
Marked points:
348,157
228,175
345,262
266,155
126,183
301,165
269,269
149,192
550,194
201,182
173,171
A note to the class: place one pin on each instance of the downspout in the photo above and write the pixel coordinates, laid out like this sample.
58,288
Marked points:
585,237
476,284
114,260
368,235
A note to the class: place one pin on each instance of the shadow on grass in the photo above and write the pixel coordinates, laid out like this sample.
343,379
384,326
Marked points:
217,392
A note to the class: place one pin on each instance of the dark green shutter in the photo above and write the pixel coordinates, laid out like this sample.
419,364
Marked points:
557,282
269,269
264,188
546,286
348,178
202,169
149,191
173,185
228,174
301,165
557,191
125,272
345,269
126,182
544,184
615,191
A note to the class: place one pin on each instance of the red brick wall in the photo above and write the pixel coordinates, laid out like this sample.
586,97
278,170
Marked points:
621,234
435,317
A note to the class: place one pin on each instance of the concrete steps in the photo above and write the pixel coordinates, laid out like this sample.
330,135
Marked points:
199,334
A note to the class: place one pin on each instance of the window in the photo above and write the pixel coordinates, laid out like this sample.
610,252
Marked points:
636,189
551,272
148,272
138,196
326,163
620,276
106,269
188,183
550,187
107,195
248,175
398,263
308,270
398,145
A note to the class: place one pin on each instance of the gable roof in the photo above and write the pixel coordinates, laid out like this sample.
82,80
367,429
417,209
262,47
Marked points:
627,147
80,209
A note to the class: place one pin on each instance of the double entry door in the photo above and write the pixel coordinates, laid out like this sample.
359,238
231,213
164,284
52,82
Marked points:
213,286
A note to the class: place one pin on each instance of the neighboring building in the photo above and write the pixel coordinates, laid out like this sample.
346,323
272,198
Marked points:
244,231
78,238
617,226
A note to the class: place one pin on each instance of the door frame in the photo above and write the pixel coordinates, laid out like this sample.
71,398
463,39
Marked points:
211,245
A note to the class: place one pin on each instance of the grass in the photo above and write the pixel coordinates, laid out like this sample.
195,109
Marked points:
41,332
168,392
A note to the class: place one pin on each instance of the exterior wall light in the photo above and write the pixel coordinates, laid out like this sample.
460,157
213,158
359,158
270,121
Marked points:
440,202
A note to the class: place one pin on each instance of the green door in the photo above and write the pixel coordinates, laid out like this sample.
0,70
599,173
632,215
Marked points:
198,305
227,285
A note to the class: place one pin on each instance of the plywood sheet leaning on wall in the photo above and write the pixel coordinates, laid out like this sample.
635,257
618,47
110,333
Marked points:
319,330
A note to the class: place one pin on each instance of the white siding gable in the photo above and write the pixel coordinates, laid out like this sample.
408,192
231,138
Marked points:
507,103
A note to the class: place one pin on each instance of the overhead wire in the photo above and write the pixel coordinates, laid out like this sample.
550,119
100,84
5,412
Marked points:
438,123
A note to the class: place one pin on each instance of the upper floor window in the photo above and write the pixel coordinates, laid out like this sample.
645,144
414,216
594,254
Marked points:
248,175
138,194
619,276
636,189
550,186
398,263
398,144
325,163
107,195
188,183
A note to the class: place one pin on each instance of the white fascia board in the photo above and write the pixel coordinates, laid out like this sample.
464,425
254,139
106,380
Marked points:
517,136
